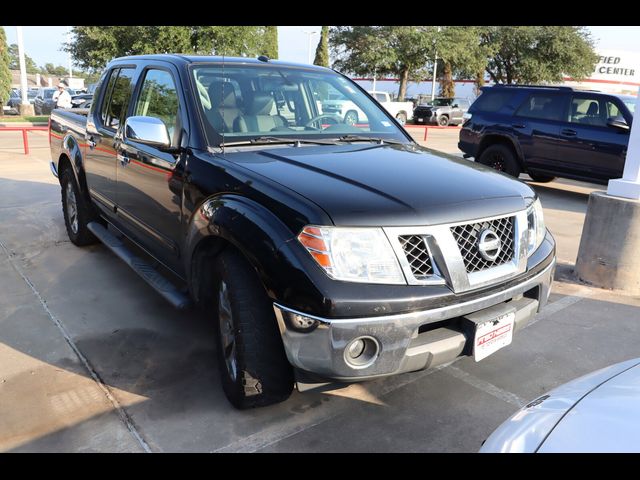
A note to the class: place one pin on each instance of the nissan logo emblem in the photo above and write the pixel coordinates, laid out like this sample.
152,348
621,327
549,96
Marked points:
488,244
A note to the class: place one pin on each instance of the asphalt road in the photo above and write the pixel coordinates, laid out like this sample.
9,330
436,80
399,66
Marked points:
92,359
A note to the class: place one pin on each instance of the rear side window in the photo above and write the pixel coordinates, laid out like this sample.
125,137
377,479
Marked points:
120,96
159,98
542,106
107,94
491,101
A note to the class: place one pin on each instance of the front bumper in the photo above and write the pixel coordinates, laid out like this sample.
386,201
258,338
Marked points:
407,342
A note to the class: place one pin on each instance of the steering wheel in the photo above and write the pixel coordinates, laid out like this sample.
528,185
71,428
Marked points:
331,116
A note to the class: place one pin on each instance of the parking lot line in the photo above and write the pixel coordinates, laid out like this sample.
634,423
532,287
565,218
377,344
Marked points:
485,386
558,305
124,417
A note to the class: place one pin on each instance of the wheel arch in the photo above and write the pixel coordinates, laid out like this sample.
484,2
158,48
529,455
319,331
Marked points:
495,139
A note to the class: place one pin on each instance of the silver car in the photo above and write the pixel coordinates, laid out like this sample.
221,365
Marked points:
599,412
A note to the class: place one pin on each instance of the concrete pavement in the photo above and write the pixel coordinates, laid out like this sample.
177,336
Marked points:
92,359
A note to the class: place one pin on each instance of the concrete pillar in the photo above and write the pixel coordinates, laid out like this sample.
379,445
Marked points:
609,253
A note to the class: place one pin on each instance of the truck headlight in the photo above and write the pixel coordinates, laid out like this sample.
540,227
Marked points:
537,231
353,254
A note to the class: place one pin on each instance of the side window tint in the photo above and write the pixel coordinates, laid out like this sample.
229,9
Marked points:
613,110
159,98
119,98
542,106
491,101
107,94
587,111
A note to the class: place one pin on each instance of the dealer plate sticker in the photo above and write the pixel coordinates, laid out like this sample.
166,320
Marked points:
491,336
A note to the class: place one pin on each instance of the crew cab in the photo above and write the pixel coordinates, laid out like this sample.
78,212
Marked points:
322,252
403,111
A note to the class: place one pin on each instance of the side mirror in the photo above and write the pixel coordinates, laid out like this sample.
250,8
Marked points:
618,122
148,130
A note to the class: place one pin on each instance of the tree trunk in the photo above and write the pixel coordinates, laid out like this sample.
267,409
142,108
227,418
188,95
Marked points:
404,79
447,86
479,82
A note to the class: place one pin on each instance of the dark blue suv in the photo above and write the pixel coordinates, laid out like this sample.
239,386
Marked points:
549,132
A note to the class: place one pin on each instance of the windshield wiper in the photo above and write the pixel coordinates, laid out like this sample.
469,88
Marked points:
276,140
360,138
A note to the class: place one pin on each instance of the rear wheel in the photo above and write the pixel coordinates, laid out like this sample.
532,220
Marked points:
253,366
76,210
501,158
351,117
540,178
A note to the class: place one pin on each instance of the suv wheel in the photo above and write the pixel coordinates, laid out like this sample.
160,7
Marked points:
443,120
540,178
351,117
253,366
76,210
501,158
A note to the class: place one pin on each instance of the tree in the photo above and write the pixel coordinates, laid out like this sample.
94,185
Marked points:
530,54
94,46
270,47
401,51
322,51
15,60
5,73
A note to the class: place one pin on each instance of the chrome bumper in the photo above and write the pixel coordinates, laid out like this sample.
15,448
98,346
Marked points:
402,348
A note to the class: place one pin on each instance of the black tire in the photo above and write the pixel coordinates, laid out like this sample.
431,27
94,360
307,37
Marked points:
261,374
501,158
443,120
351,117
402,117
76,221
540,178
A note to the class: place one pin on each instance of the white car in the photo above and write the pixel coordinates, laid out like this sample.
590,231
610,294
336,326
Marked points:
346,110
403,111
599,412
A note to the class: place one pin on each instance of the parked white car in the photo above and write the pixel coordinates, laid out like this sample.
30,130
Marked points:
403,111
346,110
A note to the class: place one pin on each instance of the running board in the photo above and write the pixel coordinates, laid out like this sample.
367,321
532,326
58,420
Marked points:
149,274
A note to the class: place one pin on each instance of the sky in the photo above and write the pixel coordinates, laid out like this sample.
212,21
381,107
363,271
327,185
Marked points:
43,44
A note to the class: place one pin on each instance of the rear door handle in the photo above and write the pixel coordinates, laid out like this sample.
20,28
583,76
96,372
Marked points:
124,159
567,132
518,125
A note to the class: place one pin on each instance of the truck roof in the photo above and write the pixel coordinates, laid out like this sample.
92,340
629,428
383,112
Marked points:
188,59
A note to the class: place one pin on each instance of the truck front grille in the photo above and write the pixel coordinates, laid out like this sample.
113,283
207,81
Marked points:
467,238
417,255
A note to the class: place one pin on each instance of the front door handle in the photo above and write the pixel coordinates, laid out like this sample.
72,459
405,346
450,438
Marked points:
518,125
91,142
568,132
124,159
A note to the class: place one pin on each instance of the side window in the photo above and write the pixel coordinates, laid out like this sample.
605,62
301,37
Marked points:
119,100
159,98
490,101
542,106
588,111
613,110
107,94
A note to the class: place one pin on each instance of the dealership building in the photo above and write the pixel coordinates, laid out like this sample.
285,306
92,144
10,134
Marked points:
617,71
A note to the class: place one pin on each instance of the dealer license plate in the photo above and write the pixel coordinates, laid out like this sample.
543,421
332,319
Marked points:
492,335
420,119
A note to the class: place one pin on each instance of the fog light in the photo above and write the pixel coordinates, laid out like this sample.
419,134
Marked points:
361,352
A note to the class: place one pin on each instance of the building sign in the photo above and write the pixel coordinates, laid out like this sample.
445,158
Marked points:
617,71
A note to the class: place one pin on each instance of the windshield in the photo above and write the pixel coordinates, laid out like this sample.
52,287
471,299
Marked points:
442,102
244,102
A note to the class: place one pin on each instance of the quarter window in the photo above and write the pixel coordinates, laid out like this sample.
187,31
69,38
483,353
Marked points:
120,97
159,98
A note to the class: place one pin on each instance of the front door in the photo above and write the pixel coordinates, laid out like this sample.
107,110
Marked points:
589,146
149,178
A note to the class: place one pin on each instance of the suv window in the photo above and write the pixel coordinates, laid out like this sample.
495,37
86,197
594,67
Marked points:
542,106
490,101
119,98
159,98
592,111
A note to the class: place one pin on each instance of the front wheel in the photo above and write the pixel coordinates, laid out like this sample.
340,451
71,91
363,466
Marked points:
351,117
501,158
402,117
76,210
540,178
443,120
253,365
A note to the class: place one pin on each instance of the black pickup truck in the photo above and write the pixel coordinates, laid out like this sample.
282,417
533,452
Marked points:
322,251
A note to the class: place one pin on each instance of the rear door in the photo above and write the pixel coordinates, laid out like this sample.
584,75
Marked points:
103,136
150,179
588,146
537,124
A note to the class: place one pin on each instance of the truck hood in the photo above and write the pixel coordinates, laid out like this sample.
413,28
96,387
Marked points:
387,185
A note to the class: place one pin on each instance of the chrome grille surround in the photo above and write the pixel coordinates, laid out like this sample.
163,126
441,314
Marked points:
447,261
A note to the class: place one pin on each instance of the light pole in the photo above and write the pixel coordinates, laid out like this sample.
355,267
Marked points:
25,107
309,34
435,71
70,66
